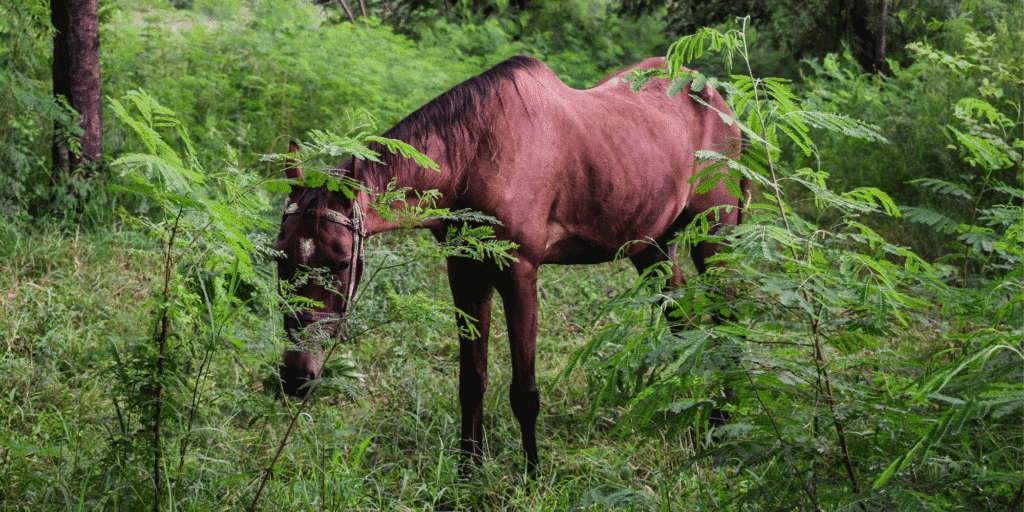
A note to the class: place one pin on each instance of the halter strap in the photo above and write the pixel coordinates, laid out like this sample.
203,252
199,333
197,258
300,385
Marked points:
325,213
357,225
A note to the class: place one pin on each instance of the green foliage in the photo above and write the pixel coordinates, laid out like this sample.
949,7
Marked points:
252,79
992,145
176,187
953,115
797,30
30,118
580,40
825,414
202,224
928,397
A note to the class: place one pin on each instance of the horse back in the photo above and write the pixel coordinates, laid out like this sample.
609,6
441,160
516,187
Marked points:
576,174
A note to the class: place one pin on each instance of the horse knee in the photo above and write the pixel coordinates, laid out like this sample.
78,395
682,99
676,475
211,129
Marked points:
472,386
525,401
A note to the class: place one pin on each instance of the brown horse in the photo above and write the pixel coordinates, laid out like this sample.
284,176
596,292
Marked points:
573,176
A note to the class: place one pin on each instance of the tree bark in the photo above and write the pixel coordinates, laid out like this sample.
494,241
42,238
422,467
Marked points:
348,12
76,78
866,25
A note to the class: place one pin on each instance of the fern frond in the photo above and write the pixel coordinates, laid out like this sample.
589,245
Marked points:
680,83
968,107
407,151
980,239
932,219
874,195
1013,192
331,144
638,78
800,138
837,123
691,47
945,188
991,153
781,94
175,177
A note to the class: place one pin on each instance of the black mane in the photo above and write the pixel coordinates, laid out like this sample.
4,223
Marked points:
450,116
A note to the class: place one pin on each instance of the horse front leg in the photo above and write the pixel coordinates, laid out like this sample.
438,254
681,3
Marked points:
518,290
472,290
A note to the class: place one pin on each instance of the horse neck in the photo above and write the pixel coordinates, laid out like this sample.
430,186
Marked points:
417,180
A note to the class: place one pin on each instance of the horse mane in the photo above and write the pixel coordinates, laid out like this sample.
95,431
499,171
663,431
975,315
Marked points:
454,117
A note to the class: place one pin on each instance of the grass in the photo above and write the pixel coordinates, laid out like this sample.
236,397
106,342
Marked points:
73,304
70,298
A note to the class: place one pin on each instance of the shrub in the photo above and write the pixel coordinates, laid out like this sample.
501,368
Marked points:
833,405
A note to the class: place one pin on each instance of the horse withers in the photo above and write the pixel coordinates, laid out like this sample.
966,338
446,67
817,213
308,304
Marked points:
574,176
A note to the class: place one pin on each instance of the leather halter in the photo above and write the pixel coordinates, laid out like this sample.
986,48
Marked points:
356,224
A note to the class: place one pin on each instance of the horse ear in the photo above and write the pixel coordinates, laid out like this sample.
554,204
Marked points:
292,171
357,173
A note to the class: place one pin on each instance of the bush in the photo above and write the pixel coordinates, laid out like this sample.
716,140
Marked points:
839,401
950,116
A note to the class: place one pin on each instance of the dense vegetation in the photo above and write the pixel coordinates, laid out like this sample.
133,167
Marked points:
877,364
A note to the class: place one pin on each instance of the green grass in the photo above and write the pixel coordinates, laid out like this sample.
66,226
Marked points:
69,299
72,304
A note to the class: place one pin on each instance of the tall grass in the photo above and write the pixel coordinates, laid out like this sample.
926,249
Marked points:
392,445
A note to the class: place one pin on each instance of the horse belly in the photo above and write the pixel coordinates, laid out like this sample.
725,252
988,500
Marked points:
609,233
578,251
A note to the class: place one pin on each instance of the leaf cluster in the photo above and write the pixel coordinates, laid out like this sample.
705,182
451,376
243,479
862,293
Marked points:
811,366
953,115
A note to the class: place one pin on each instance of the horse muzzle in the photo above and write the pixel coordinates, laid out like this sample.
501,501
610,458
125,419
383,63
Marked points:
300,372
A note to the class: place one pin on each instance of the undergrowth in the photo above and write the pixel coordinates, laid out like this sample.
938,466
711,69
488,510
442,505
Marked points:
859,376
864,377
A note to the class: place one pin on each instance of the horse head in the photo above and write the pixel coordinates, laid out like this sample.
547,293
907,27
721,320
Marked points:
320,254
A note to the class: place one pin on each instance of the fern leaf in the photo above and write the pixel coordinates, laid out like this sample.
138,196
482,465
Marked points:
935,220
699,82
407,151
679,84
638,78
1013,192
842,124
873,195
984,151
951,424
981,240
944,188
973,106
800,138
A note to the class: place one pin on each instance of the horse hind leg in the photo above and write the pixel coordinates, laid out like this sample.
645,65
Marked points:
661,253
700,254
677,317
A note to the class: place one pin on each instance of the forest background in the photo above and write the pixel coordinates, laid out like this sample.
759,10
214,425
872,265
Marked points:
878,365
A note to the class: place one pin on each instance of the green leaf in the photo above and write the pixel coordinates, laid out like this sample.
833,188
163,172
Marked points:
984,150
638,78
679,84
837,123
874,195
942,187
407,151
980,239
935,220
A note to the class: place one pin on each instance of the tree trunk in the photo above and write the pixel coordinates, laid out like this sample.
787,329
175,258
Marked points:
76,78
865,25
